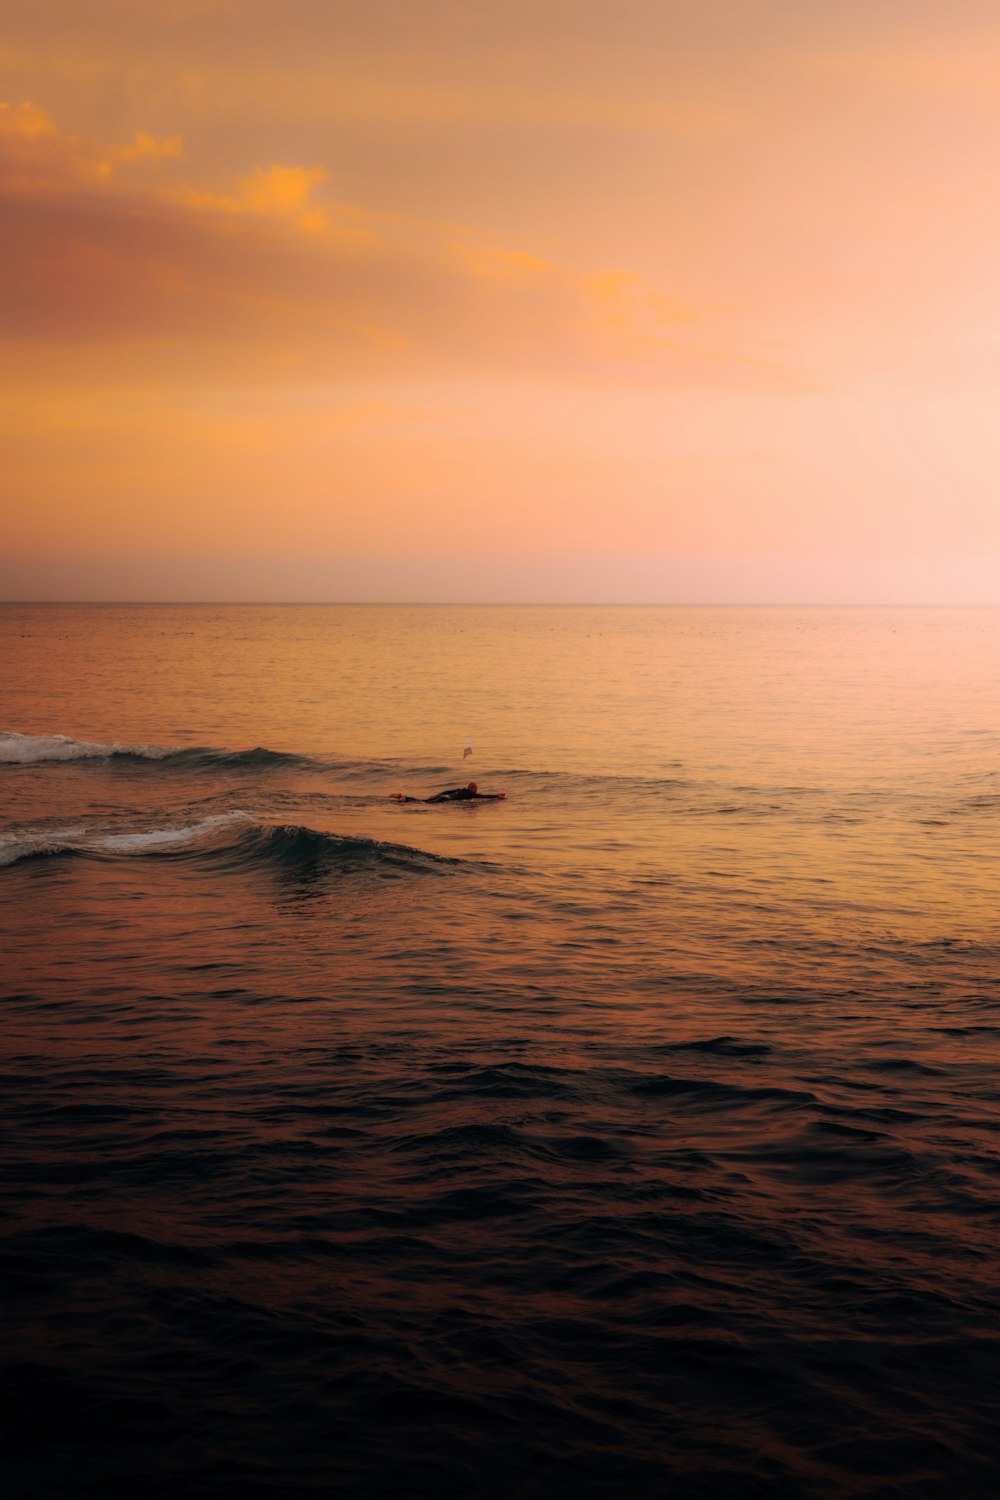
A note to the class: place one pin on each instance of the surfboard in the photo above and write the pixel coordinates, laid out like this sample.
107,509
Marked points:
450,801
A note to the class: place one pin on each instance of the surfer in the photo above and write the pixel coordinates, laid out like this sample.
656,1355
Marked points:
470,793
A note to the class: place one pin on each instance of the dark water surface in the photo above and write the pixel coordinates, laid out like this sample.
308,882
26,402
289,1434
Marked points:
634,1136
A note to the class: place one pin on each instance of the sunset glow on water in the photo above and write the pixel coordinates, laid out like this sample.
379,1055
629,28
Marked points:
637,1131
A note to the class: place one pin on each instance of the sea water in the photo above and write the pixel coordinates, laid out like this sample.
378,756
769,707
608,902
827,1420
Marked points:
634,1135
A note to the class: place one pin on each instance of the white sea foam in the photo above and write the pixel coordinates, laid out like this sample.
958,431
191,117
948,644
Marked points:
33,749
20,844
152,839
23,843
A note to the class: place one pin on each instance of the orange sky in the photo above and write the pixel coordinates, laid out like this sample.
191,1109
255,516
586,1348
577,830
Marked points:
572,299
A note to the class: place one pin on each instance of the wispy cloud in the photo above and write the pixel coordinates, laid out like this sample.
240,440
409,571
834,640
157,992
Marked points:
103,245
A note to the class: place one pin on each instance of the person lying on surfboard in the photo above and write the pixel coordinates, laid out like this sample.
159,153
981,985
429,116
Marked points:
470,793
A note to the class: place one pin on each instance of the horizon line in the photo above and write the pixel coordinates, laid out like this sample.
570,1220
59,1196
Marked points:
501,603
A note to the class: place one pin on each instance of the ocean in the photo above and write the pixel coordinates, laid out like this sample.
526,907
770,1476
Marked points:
635,1135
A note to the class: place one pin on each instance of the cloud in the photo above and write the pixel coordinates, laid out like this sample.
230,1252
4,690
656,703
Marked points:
25,120
147,146
279,191
37,160
102,247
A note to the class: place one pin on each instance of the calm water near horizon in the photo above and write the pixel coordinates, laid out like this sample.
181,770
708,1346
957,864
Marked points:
633,1136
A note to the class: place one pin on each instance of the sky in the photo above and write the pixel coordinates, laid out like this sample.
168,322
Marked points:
680,301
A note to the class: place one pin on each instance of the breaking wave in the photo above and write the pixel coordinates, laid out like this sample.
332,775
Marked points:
38,749
227,840
50,749
35,749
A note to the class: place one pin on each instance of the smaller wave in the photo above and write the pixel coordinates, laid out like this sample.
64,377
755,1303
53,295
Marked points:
42,749
39,749
35,749
202,758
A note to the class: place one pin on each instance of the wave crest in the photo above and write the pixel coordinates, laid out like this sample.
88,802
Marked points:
232,841
40,749
293,846
36,749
